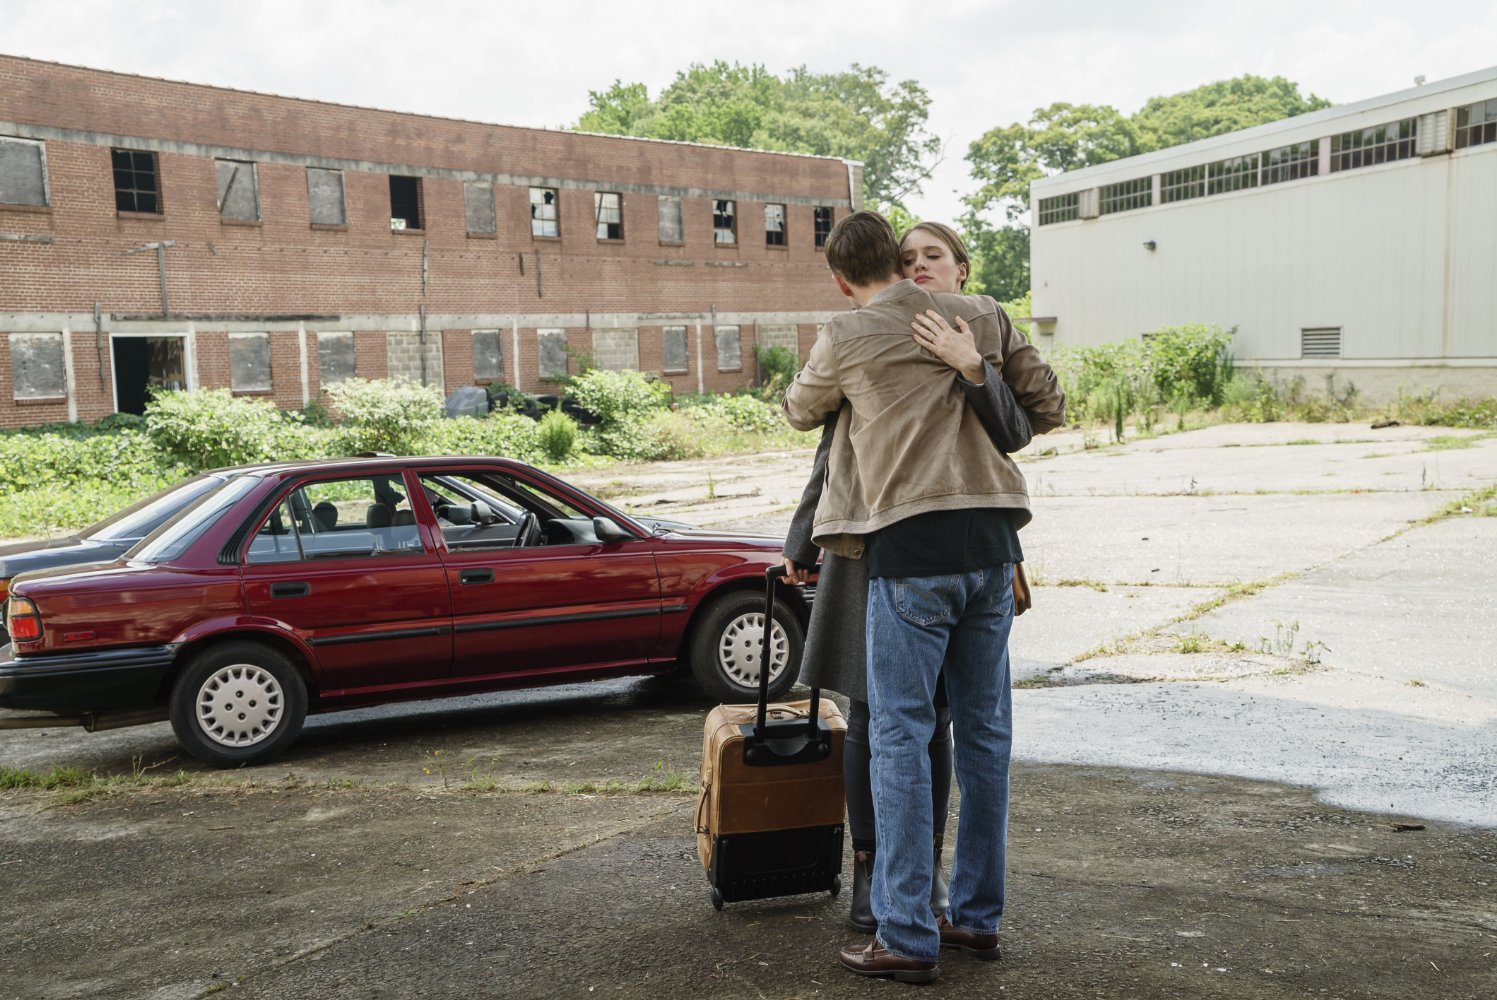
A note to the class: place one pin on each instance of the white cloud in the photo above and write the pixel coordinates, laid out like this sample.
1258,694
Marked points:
984,62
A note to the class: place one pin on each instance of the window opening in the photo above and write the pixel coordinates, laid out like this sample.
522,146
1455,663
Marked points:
608,213
405,202
724,222
774,225
135,184
543,220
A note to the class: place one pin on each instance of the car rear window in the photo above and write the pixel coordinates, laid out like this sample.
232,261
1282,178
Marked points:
176,535
151,513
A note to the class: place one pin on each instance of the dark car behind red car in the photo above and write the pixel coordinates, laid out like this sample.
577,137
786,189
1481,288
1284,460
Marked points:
311,587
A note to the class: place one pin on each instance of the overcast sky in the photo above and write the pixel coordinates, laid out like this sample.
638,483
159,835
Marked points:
984,62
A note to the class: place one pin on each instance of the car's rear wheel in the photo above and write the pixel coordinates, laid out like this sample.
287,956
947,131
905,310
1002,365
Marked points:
725,649
238,703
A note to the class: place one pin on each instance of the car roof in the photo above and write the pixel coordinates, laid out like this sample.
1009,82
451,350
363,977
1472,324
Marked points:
282,469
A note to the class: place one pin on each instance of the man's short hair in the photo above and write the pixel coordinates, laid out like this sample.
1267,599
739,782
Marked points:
862,249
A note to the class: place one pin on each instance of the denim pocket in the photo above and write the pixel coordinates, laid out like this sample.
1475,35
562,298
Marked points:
1000,588
927,600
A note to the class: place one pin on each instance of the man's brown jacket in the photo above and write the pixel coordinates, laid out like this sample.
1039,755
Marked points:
912,445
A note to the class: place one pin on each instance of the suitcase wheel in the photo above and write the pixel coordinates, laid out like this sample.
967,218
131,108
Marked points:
836,884
717,898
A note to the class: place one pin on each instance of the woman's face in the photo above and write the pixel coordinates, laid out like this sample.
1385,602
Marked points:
928,262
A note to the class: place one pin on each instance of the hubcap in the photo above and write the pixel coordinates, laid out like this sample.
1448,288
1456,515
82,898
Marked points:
738,650
240,705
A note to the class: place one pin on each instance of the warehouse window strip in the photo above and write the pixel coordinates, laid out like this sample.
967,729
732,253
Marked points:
1061,208
1370,146
1476,124
1127,195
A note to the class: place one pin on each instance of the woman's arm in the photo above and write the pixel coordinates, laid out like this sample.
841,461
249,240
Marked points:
987,393
799,550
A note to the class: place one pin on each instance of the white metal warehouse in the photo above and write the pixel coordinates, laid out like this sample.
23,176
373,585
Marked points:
1359,241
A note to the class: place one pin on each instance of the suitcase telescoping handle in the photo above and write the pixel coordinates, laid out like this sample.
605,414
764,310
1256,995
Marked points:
774,745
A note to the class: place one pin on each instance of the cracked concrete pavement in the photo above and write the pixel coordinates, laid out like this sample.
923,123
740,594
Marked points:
1256,740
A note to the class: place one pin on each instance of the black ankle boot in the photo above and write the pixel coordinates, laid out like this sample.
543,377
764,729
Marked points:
940,898
861,916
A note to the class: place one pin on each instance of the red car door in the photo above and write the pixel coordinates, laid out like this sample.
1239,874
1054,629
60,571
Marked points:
560,602
343,562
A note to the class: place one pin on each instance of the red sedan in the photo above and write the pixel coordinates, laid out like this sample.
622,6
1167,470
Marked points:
316,586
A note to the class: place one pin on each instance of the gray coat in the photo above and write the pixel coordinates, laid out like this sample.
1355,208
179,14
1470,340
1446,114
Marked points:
836,655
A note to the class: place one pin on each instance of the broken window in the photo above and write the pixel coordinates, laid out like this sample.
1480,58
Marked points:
608,211
335,356
405,202
671,229
238,191
729,349
325,197
488,355
37,365
553,353
136,186
673,349
724,222
774,225
478,207
249,362
23,172
823,224
543,221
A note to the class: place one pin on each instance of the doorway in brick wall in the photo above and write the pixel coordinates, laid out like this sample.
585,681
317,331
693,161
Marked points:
146,363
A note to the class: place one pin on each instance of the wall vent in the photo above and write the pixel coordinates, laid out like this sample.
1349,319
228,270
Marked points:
1086,204
1434,134
1321,342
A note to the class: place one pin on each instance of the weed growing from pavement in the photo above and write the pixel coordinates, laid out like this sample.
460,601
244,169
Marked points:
1482,503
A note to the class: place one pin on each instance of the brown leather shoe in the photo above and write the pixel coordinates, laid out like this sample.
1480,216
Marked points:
983,946
870,959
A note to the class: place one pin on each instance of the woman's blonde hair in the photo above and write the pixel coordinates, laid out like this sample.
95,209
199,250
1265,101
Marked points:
953,242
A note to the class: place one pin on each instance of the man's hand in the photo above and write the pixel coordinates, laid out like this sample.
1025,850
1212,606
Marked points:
795,573
958,348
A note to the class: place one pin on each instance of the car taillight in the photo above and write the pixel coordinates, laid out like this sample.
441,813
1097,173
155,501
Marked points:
24,623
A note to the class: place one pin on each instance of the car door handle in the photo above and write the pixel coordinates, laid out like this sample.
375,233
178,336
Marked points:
295,588
476,576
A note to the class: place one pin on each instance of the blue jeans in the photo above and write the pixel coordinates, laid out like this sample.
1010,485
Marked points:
915,625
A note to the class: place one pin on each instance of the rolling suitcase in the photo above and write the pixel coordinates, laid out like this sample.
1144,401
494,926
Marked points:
770,812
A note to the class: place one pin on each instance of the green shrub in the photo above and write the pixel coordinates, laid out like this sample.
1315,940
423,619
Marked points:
1191,359
557,435
744,412
390,415
655,437
36,461
617,396
777,368
1091,376
207,428
502,433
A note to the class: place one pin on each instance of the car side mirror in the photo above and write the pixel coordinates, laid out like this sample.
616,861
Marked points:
608,530
483,513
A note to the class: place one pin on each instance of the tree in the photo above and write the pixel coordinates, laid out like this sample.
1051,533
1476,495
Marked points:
1218,108
1065,137
857,114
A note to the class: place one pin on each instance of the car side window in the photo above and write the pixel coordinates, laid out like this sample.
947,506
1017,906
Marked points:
338,519
471,515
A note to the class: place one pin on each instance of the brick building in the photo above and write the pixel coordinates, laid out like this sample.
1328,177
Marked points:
155,233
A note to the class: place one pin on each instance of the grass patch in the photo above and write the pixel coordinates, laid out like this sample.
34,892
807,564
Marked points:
1482,503
1096,585
1451,442
1304,441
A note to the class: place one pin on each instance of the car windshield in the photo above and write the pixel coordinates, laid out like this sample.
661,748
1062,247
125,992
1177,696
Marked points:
141,519
173,538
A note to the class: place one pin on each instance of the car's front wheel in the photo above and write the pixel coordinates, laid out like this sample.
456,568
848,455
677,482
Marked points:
237,704
725,650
